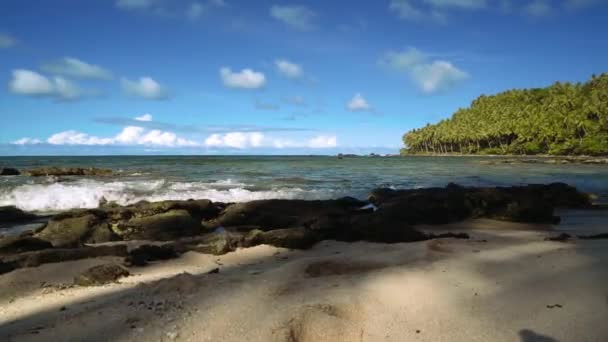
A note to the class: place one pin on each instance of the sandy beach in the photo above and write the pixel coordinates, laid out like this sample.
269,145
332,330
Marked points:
506,283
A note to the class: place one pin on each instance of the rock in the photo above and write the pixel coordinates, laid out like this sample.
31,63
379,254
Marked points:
100,275
142,255
531,203
67,171
563,237
75,231
212,243
169,225
7,171
293,238
594,237
45,256
277,214
11,214
198,209
14,245
378,227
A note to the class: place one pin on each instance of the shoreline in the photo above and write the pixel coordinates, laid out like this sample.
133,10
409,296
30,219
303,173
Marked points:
416,264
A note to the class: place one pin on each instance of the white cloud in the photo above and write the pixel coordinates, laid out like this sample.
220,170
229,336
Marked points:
246,78
145,87
288,69
73,67
195,10
26,141
405,10
134,4
6,41
129,136
430,76
145,117
31,83
323,141
235,140
465,4
538,8
297,17
358,104
432,10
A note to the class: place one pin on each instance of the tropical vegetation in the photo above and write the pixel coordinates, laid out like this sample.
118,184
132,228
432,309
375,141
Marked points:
562,119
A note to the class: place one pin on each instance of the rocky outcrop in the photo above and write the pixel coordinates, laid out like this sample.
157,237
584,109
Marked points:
277,214
14,245
100,275
75,231
532,203
8,171
142,255
11,214
160,221
45,256
67,171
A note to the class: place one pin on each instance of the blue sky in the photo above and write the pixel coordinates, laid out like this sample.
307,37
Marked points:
272,77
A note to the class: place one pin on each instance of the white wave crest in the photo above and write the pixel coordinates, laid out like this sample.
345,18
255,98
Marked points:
88,194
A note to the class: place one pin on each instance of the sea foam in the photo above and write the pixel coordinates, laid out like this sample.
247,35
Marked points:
88,193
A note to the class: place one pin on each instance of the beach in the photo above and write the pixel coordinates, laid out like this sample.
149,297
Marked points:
505,283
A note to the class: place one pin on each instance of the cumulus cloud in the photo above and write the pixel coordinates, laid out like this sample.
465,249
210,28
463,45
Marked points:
146,118
145,87
288,69
245,79
6,41
31,83
358,104
74,67
323,141
235,140
129,136
538,8
431,76
297,17
27,141
431,10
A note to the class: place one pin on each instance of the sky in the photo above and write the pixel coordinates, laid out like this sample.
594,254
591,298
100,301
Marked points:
272,77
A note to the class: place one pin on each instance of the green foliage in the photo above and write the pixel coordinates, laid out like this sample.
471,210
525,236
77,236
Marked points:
561,119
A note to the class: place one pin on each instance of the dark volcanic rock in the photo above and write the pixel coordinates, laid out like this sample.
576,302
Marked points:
7,171
11,214
14,245
45,256
277,214
166,226
293,238
100,275
67,171
532,203
66,231
142,255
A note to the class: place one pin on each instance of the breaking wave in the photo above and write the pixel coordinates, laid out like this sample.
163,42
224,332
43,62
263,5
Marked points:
88,193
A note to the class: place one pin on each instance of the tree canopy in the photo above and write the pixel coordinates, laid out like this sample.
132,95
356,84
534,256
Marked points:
562,119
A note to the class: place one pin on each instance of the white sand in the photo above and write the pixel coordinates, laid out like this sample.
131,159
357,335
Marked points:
441,290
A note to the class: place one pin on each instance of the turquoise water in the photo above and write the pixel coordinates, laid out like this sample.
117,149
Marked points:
244,178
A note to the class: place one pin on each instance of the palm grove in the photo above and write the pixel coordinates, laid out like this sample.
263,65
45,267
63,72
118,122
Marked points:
563,119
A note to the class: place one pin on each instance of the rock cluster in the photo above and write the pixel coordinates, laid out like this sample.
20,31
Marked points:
67,171
218,228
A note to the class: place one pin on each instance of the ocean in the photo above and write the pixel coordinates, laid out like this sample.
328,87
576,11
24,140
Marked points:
246,178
